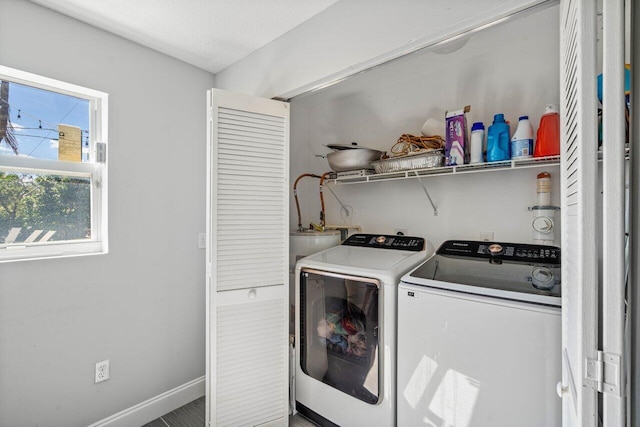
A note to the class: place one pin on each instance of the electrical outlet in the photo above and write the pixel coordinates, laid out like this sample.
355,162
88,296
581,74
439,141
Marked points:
102,371
487,236
202,240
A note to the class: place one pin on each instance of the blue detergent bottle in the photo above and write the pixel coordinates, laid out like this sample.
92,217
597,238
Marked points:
498,140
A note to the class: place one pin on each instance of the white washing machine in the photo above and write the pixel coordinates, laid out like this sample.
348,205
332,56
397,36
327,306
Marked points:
346,328
479,337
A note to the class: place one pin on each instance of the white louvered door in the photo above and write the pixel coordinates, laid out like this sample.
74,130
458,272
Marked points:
579,166
247,255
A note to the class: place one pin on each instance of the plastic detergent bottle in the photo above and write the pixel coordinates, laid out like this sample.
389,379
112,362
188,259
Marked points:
477,141
548,137
498,140
522,140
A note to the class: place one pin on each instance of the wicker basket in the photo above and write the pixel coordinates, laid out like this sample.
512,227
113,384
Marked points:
428,159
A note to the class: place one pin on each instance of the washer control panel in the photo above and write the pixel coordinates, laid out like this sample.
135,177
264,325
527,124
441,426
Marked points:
386,241
514,252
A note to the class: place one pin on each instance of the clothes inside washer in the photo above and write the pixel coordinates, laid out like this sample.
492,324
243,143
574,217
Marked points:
339,344
342,329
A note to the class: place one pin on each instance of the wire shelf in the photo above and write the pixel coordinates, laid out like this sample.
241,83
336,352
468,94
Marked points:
535,162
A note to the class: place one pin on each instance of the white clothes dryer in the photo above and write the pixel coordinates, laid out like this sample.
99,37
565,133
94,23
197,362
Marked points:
346,327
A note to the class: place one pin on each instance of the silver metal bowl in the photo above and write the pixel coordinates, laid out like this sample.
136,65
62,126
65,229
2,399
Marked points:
353,159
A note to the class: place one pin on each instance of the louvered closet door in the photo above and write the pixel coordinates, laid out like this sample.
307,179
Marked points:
579,217
247,359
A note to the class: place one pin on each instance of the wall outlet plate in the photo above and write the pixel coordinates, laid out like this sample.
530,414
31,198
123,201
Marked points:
102,371
487,236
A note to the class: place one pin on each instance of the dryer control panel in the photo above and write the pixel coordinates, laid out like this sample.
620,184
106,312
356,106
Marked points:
386,241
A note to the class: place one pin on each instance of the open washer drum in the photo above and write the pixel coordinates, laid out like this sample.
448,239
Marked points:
346,328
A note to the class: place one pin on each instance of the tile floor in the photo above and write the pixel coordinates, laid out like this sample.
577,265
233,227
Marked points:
192,415
189,415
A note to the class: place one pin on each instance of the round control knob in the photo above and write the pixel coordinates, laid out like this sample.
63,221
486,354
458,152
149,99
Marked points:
495,249
542,278
543,224
381,239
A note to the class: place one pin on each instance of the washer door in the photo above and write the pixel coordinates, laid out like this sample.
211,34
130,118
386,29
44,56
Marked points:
339,332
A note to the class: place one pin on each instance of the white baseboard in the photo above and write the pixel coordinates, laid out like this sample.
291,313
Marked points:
157,406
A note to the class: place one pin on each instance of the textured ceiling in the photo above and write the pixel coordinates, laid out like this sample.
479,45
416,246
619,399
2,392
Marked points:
210,34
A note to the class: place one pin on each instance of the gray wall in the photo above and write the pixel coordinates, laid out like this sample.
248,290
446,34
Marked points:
143,305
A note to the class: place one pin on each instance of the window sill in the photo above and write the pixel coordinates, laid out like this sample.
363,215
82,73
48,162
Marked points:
17,252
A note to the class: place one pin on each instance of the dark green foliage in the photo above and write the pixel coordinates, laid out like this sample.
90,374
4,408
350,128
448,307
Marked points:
45,202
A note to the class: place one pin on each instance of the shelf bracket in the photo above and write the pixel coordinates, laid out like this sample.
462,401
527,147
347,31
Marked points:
424,187
344,208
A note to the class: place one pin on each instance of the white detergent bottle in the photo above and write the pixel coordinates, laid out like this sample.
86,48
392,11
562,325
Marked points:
522,140
477,142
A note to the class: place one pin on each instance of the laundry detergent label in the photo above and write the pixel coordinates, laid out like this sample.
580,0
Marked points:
521,148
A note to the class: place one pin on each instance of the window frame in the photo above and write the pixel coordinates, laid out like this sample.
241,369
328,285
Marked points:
95,170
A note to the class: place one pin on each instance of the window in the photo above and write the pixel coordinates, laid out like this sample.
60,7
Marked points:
53,186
